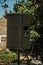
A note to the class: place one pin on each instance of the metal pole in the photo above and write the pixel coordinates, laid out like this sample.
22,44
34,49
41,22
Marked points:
18,57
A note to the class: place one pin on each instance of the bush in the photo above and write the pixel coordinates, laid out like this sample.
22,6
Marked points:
7,56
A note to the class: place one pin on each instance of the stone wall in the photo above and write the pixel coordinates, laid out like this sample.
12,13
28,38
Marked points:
3,33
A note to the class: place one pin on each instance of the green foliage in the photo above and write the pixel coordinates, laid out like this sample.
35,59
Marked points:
33,30
7,56
23,7
34,34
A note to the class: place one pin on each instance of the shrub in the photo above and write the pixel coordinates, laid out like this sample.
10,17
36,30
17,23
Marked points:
7,56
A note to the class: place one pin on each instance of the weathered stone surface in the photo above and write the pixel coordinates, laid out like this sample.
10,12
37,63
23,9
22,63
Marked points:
3,26
3,33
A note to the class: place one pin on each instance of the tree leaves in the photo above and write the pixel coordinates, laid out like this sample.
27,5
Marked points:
23,7
34,34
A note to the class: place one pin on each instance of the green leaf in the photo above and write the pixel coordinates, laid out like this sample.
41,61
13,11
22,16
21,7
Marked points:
34,34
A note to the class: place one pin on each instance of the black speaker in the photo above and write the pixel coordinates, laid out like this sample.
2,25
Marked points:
18,31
